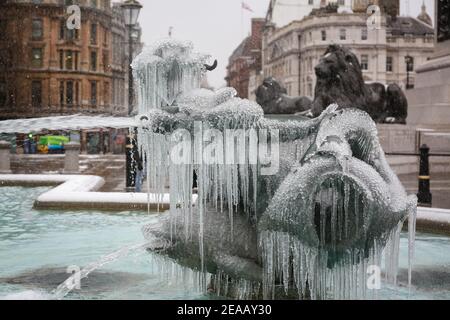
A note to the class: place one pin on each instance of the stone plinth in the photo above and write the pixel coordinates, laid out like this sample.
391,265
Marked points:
71,162
397,138
429,101
5,159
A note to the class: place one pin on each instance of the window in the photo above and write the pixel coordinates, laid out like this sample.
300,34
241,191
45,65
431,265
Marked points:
37,30
62,28
3,25
341,2
37,1
93,93
68,2
76,60
364,62
105,61
94,3
324,35
36,93
36,57
105,37
67,34
3,93
93,33
106,93
69,93
76,92
343,34
61,93
310,2
410,65
61,59
71,34
388,64
94,60
364,34
69,60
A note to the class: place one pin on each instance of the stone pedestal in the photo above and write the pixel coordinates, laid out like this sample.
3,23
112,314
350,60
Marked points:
397,138
429,102
71,161
5,159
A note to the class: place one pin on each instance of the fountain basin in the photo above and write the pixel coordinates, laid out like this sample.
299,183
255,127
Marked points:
36,247
79,192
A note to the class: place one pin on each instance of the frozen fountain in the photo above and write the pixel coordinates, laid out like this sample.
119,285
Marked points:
296,208
284,209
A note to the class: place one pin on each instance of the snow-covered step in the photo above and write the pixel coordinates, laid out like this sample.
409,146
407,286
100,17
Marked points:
433,220
79,192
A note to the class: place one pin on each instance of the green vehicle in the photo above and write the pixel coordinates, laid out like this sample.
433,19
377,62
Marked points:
52,144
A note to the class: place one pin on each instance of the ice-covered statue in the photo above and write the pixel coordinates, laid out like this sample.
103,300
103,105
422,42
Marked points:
281,209
296,208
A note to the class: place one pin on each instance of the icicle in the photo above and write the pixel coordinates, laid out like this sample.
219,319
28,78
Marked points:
411,239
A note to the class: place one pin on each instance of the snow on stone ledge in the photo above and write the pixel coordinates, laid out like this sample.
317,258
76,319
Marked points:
78,191
433,220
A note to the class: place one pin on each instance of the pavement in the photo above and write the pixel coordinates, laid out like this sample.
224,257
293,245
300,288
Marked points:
112,169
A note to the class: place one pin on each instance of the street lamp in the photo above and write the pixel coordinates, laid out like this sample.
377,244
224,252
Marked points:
409,62
131,9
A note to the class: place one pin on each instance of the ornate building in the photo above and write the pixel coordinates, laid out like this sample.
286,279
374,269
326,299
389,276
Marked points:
245,59
282,12
291,52
49,69
424,16
390,7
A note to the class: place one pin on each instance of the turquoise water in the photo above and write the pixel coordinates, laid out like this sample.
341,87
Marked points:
37,246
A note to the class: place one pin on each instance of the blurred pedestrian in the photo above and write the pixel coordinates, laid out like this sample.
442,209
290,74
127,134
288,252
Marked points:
139,172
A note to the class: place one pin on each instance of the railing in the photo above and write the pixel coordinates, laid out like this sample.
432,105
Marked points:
424,194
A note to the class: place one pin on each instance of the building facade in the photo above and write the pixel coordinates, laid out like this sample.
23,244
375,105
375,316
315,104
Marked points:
48,68
290,53
246,59
281,12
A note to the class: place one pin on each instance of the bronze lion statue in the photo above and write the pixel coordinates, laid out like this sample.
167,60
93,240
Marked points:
340,81
273,98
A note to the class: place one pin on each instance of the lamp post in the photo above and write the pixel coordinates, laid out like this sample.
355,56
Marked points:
131,9
408,61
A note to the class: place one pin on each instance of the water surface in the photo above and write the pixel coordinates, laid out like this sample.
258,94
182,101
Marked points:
37,246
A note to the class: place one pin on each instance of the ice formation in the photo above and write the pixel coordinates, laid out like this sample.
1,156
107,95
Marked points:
284,209
310,229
